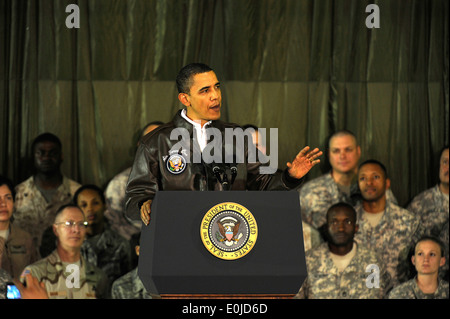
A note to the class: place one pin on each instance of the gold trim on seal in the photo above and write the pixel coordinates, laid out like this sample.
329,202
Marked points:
229,231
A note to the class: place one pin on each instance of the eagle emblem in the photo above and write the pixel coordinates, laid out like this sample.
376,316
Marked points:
228,231
176,164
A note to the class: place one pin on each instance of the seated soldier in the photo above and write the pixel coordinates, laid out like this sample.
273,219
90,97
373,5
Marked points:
433,209
65,273
340,268
428,258
38,197
383,226
17,249
338,185
106,249
130,286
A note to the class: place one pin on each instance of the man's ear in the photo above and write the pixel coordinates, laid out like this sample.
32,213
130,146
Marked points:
388,183
55,230
184,99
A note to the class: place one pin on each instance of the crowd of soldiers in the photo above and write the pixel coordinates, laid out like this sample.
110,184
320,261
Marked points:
381,227
352,224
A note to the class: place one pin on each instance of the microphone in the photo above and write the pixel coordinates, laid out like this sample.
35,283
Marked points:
226,186
233,174
216,171
223,181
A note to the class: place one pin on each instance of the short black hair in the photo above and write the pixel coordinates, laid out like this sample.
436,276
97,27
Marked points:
91,187
374,161
185,76
342,205
46,137
6,181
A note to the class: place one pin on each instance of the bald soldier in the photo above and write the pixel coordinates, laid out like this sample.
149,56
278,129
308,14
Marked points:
338,185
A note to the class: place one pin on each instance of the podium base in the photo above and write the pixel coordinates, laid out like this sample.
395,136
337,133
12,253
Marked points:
226,296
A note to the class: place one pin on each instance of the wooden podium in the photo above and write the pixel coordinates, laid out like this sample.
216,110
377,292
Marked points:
175,260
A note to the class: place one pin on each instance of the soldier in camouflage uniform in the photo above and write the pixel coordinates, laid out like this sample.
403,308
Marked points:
103,247
432,206
428,258
311,236
115,197
38,197
383,226
61,280
130,285
115,203
341,268
338,185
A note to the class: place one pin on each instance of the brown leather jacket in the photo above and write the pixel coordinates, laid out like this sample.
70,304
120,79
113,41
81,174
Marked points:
157,167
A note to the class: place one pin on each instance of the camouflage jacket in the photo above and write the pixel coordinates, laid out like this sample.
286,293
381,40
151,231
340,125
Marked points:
33,214
410,290
129,286
92,282
311,236
115,206
108,251
317,195
433,208
355,282
391,238
444,237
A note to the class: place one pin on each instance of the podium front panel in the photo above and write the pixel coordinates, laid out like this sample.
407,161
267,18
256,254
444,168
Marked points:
174,260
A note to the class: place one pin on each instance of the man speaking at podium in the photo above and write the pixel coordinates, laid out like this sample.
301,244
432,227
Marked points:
163,162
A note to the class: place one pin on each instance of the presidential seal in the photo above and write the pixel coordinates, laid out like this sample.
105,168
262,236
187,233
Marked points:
229,231
176,164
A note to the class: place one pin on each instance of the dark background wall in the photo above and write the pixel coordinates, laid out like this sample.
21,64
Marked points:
305,67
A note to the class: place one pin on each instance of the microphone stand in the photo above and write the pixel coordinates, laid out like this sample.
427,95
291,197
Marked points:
224,181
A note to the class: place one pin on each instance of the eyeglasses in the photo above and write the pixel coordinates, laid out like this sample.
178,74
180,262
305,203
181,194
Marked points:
71,224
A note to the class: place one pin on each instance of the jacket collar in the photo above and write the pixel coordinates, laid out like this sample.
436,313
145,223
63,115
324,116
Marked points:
179,121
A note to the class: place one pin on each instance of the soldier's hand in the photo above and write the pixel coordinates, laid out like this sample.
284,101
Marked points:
145,211
33,290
